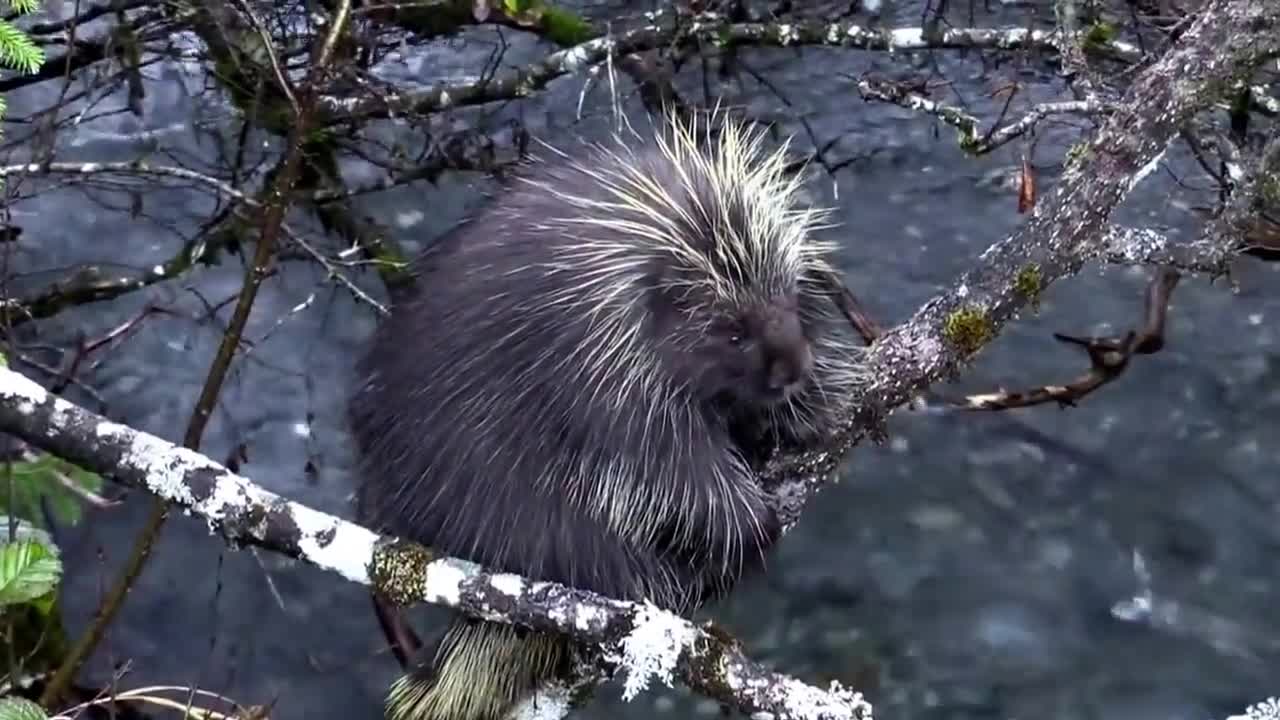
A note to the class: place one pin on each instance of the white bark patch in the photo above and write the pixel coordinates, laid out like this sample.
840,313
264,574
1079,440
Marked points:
1268,709
165,466
343,547
589,617
551,702
23,390
912,37
652,648
1149,168
444,582
507,584
1139,244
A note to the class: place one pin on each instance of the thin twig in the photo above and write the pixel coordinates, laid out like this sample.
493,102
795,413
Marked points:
1108,356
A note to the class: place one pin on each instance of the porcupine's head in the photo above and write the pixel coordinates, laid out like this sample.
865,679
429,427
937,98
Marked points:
710,226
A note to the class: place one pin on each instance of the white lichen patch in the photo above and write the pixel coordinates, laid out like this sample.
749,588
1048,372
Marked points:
508,584
164,467
1268,709
589,617
1138,244
575,58
801,700
227,495
1015,37
339,546
1149,168
444,582
652,648
18,388
905,38
550,702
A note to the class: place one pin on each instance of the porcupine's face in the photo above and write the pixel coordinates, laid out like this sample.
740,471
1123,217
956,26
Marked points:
752,355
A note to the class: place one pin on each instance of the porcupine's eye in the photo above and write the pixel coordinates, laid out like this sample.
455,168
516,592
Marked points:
733,332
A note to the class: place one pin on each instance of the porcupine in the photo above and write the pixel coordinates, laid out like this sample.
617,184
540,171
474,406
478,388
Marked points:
578,384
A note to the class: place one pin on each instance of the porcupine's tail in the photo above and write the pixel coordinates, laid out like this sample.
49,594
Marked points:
480,671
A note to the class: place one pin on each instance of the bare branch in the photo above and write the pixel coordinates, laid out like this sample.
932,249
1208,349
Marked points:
90,284
971,138
1108,357
707,28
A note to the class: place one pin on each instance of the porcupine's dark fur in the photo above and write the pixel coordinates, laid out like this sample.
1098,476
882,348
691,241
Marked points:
573,389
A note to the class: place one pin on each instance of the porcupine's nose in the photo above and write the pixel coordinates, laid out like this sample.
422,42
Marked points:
789,367
789,356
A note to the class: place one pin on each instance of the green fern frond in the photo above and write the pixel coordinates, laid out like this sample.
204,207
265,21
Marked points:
18,51
22,7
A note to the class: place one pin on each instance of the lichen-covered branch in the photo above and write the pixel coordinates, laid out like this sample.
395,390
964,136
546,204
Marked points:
706,28
1147,246
972,139
643,641
1221,238
1068,227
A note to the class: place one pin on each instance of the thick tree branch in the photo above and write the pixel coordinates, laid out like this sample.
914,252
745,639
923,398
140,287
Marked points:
1068,228
1225,236
644,641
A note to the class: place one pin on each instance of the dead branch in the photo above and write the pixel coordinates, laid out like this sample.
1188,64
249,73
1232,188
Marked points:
90,284
1108,356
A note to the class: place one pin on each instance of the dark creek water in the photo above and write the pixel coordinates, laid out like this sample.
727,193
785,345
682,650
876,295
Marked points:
968,567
